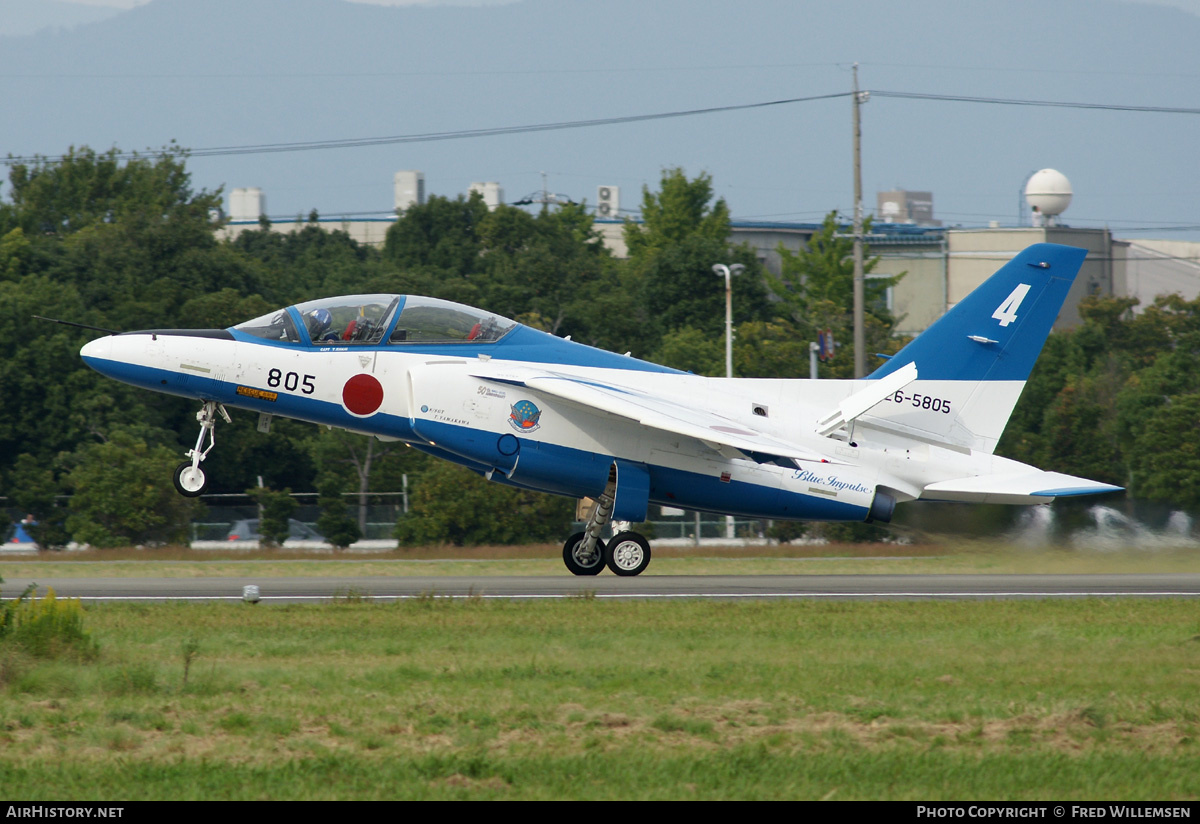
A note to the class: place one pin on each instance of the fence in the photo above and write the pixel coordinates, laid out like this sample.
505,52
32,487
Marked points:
228,517
235,516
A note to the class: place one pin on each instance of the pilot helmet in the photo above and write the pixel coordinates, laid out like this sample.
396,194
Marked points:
318,323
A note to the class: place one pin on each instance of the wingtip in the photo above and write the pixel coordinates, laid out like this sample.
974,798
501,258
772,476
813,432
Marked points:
1078,491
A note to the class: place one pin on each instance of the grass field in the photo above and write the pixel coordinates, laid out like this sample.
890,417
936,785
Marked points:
595,699
957,557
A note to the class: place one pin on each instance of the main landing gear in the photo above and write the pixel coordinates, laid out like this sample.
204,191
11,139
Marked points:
628,553
189,477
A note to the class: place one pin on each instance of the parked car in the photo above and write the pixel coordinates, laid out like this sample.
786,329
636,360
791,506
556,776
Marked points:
247,530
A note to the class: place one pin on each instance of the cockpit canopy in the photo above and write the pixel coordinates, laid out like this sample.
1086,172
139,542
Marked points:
377,319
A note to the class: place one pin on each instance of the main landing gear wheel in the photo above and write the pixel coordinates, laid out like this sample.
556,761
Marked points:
580,562
189,480
628,553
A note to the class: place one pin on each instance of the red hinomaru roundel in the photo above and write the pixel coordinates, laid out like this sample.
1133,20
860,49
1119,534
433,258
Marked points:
362,394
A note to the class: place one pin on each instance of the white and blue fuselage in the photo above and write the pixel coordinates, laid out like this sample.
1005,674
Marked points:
526,408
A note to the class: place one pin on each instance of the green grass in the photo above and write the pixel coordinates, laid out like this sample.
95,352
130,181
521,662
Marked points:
546,560
599,699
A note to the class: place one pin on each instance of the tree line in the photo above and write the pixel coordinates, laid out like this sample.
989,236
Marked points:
130,244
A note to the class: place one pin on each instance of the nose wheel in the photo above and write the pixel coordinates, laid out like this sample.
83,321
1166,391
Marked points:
189,480
189,477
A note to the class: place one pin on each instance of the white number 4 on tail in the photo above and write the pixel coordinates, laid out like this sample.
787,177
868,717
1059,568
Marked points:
1006,312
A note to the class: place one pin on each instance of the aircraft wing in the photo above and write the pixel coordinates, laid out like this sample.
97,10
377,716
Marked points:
1032,487
718,433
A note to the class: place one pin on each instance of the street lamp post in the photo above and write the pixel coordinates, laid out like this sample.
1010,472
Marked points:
728,272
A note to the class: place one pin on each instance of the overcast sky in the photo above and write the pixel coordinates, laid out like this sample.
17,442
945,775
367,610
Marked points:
218,73
1187,5
1192,6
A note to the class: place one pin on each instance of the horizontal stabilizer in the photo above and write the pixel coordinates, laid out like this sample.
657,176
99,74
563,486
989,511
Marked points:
1032,487
861,401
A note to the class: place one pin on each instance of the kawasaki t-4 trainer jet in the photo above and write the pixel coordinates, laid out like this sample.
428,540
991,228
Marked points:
525,408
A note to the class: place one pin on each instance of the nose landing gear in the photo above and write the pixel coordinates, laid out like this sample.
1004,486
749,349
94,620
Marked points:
189,477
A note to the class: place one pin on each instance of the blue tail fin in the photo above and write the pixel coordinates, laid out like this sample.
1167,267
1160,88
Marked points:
997,332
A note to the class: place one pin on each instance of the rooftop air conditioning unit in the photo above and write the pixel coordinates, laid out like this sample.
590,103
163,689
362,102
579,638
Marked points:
608,201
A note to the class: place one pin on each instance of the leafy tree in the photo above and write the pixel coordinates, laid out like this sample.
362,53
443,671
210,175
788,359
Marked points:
1167,467
38,403
85,188
770,349
671,255
439,234
335,522
36,489
276,508
224,308
815,290
14,254
681,209
452,505
1080,429
679,287
553,272
1114,399
119,244
691,350
359,462
121,497
312,262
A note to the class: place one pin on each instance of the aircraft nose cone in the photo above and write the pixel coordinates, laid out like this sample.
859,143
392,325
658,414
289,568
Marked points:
99,348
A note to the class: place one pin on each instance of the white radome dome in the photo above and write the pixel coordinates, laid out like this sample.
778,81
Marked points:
1048,192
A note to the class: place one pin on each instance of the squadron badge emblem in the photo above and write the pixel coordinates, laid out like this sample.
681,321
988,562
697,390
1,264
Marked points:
524,416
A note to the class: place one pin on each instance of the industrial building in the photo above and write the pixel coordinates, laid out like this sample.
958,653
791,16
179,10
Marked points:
941,264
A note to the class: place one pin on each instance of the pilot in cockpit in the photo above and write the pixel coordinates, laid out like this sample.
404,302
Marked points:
318,322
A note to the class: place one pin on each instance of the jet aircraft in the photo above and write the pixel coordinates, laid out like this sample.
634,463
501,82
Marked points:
526,408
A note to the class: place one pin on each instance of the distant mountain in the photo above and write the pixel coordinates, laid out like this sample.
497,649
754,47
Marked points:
22,17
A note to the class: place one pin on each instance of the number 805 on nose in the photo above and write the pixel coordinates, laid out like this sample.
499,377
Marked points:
291,381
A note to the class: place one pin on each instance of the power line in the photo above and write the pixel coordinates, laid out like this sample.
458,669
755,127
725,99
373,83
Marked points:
426,137
491,72
1005,101
355,143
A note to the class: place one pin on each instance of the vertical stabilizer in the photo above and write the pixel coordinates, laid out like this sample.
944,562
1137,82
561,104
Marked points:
975,359
997,331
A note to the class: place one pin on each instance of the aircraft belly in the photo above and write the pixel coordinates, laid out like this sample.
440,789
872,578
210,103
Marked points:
740,487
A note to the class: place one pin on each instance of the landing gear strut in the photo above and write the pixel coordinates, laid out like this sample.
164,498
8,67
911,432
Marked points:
581,560
583,553
189,477
628,553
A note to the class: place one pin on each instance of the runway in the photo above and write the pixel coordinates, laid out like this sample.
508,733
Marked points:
649,586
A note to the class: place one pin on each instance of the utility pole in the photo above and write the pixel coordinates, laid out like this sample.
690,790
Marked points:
860,345
544,197
727,272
